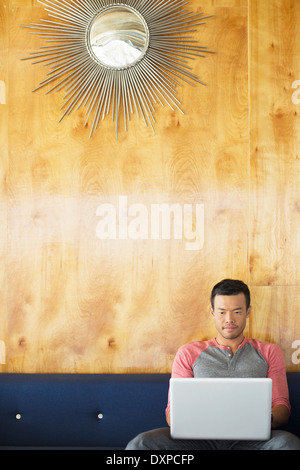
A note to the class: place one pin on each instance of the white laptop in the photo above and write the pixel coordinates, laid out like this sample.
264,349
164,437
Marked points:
221,408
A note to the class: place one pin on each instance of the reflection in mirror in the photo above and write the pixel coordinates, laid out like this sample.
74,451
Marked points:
118,37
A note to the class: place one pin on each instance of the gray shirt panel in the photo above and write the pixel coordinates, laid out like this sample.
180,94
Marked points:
217,362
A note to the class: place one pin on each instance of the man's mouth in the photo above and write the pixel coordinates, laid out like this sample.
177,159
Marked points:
229,328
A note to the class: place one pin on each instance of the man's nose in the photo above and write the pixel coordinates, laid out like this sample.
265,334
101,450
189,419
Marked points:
229,317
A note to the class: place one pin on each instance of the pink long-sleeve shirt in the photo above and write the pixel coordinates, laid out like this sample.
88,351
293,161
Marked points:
253,358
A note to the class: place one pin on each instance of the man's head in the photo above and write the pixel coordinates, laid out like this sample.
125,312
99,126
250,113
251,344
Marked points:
230,308
230,287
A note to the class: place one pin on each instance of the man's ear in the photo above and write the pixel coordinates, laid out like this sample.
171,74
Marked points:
212,312
248,312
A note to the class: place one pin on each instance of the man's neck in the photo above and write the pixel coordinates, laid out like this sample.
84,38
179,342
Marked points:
233,344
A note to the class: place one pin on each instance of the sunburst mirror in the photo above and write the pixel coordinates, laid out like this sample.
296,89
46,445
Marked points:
118,57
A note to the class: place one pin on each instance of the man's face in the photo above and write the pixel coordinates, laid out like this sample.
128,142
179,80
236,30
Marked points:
230,315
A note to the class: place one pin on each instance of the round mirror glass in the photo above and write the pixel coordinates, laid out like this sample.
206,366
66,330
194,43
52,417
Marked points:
118,36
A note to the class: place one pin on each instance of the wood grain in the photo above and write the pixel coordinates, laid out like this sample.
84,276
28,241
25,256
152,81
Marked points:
275,143
75,303
275,313
3,179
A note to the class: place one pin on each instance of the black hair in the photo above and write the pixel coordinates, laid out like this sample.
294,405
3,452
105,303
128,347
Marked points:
230,287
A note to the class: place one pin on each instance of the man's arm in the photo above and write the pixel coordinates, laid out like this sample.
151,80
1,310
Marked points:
168,417
280,394
183,366
280,416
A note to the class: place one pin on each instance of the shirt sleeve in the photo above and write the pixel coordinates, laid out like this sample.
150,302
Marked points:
182,367
277,372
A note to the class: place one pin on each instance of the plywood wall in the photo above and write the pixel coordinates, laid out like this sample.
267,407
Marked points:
72,302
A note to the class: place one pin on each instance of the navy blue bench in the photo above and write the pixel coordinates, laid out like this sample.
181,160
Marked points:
101,411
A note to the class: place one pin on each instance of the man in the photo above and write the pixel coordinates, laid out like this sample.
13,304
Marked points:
230,354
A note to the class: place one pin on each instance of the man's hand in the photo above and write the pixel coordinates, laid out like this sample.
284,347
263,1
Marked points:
280,416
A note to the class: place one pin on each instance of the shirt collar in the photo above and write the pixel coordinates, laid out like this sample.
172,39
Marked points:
220,346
